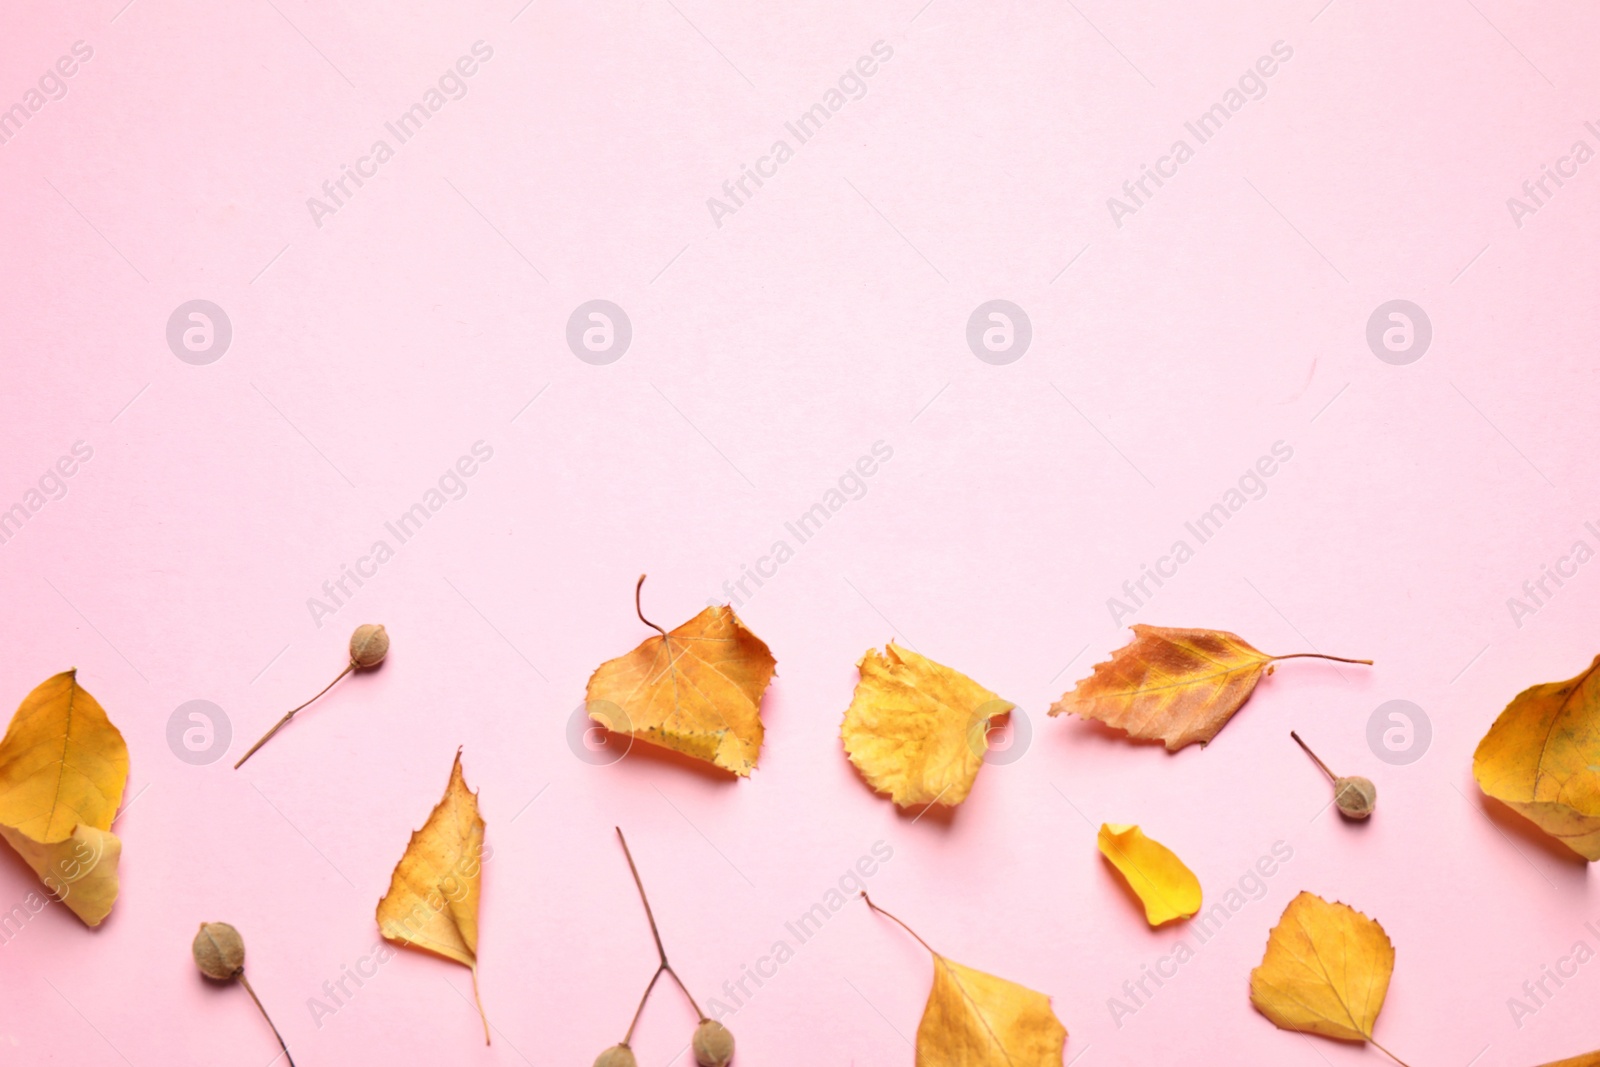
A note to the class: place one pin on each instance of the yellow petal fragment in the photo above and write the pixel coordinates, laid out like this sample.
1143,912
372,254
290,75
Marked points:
62,763
1541,758
81,871
1168,889
1169,684
977,1020
917,730
1326,970
696,691
432,903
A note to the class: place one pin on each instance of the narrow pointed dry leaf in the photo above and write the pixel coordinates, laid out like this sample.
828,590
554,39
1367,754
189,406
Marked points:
1541,758
63,768
432,903
1174,685
1168,889
973,1019
917,730
696,690
1326,971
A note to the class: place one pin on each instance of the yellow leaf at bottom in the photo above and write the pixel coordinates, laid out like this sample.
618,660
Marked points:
1326,970
977,1020
81,871
1590,1060
1168,889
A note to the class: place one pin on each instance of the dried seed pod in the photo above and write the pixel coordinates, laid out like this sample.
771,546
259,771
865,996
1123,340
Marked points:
368,645
219,951
616,1056
713,1044
1355,796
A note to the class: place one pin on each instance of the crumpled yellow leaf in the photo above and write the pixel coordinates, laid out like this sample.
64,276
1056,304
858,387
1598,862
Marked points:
1541,758
1171,684
63,768
1168,889
974,1019
81,871
696,690
1326,971
432,902
917,730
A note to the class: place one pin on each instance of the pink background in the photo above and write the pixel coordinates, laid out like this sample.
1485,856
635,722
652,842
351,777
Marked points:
769,353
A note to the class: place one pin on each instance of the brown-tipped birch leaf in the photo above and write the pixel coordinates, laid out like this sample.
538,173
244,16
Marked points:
1174,685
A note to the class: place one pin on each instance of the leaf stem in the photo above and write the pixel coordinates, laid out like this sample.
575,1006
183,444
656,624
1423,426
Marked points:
897,921
639,610
1387,1053
1331,776
246,983
1320,655
479,999
281,723
654,932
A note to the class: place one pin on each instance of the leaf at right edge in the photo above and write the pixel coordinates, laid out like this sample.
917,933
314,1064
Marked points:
1590,1060
432,902
974,1019
1326,970
1541,758
1169,684
81,871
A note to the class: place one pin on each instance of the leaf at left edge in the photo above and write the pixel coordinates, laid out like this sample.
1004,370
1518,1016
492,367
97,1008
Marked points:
697,691
432,902
974,1019
62,763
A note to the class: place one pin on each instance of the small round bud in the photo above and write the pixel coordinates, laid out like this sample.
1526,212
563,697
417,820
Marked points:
219,951
1356,796
616,1056
368,645
713,1044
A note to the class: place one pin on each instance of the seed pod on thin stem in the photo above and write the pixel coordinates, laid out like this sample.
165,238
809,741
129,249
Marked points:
219,953
712,1043
368,646
1355,796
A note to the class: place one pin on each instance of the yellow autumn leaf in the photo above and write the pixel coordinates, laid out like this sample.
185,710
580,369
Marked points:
977,1020
1541,758
1175,685
432,903
917,730
1592,1059
1326,971
973,1019
62,763
696,690
63,768
1168,889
